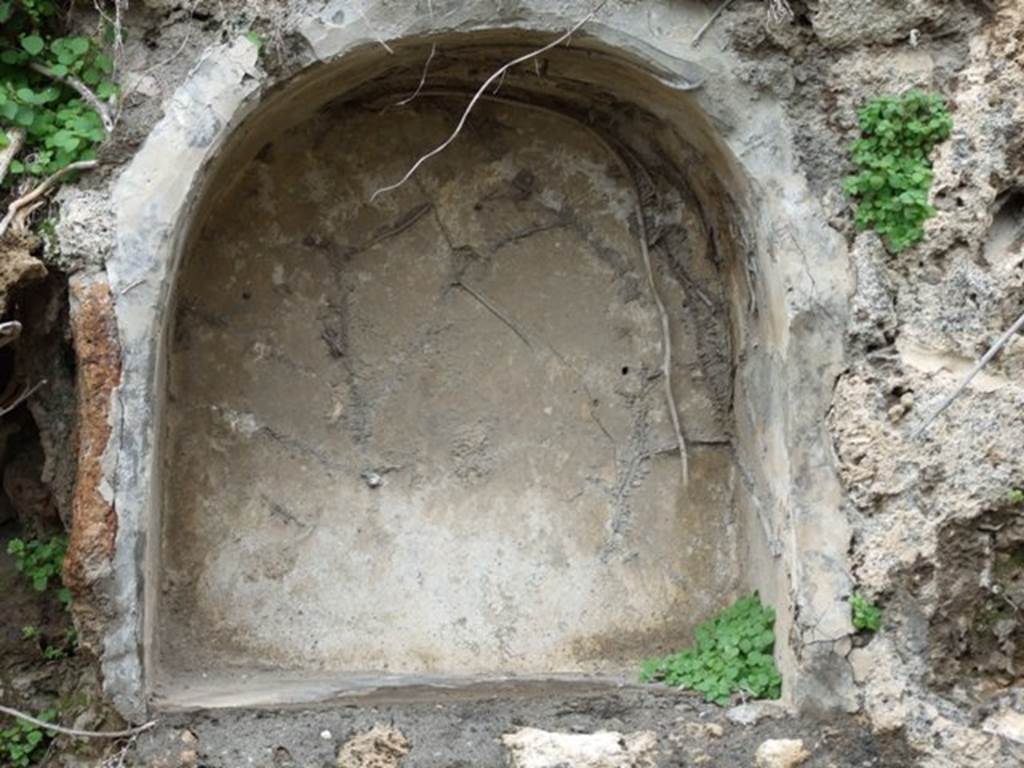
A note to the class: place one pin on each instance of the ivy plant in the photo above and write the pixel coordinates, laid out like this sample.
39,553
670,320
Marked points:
733,653
56,89
898,134
866,615
23,743
41,561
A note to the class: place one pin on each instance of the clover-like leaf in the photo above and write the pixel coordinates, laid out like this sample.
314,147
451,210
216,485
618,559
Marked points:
33,44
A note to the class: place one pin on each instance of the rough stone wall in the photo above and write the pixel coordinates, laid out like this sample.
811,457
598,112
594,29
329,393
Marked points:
936,538
933,527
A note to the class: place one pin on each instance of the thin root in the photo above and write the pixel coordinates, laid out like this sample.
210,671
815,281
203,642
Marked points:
423,78
709,22
1001,342
44,187
75,732
22,397
479,93
666,339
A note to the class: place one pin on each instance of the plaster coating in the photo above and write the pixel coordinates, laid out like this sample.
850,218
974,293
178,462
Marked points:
429,435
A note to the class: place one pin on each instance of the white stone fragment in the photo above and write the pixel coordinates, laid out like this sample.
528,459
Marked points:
534,748
1007,723
781,753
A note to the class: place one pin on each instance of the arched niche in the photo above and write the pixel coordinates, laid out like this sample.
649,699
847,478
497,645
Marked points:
422,439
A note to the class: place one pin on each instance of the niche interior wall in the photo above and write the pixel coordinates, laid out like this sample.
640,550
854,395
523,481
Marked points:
421,438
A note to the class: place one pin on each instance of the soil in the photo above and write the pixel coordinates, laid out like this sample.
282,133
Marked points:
466,734
24,607
29,681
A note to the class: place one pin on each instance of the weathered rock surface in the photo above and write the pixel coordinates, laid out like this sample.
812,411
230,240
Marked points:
848,22
1007,723
533,748
934,526
754,712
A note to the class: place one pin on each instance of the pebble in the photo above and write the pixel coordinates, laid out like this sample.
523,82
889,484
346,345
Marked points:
781,753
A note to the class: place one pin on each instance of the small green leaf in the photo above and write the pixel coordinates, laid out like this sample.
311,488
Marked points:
78,45
33,44
24,116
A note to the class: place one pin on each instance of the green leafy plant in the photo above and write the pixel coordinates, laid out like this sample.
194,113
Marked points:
23,743
67,646
255,38
898,134
1017,496
866,615
55,90
55,652
42,562
733,653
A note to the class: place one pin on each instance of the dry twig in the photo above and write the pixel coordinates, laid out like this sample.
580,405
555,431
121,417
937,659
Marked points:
986,358
479,93
709,22
75,732
82,90
10,331
28,199
118,760
779,11
4,410
116,25
15,141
